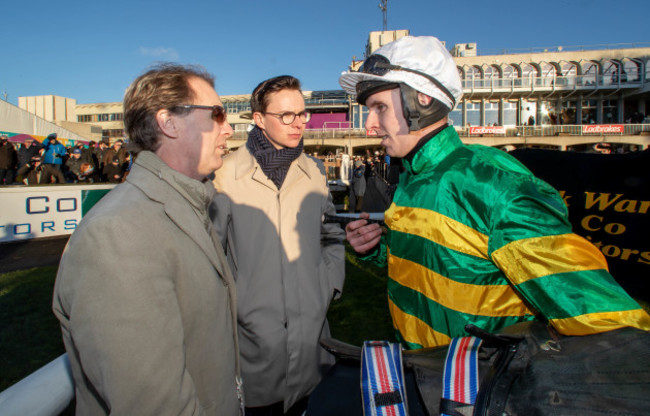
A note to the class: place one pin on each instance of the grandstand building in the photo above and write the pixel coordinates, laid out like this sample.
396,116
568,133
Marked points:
549,92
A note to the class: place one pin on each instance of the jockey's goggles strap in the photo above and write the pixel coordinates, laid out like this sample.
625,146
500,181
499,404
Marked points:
380,65
460,379
382,379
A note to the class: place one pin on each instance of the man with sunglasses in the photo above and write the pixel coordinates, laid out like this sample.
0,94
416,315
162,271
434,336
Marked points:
474,237
144,294
288,264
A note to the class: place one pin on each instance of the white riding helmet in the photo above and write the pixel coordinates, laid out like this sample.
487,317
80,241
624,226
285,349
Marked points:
414,64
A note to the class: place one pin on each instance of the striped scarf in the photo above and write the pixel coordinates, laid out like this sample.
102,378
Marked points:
275,163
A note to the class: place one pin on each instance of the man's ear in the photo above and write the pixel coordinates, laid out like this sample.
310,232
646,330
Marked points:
258,119
167,123
424,99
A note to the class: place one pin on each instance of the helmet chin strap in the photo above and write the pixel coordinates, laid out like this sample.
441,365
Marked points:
419,116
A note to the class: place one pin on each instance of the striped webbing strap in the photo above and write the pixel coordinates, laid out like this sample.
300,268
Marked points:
382,379
460,378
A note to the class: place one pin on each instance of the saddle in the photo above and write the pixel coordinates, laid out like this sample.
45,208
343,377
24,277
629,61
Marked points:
529,369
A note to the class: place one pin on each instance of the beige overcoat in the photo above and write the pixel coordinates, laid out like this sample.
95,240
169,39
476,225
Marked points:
147,303
288,266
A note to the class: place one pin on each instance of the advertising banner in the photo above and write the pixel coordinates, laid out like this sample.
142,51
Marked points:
608,196
603,129
45,211
487,130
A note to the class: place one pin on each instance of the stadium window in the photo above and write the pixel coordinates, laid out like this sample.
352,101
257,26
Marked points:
491,113
510,113
456,117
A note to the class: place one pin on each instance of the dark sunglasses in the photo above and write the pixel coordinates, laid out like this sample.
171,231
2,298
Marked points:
218,112
380,65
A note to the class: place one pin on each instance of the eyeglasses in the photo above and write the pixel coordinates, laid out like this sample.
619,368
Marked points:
218,112
380,65
288,116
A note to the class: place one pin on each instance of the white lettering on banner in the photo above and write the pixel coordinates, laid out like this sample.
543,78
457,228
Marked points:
41,211
488,130
602,128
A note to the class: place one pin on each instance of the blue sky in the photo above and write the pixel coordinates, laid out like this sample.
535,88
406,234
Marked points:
91,50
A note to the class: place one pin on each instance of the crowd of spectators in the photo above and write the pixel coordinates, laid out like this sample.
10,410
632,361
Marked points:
34,163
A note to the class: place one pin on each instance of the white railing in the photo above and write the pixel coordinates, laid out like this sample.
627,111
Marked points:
45,392
584,82
337,125
565,129
538,130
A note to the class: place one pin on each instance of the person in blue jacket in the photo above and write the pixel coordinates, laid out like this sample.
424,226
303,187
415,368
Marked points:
54,152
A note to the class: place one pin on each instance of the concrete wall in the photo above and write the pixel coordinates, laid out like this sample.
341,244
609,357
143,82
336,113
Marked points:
50,107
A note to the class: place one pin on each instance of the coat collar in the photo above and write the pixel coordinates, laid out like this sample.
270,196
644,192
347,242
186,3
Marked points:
198,194
247,166
185,201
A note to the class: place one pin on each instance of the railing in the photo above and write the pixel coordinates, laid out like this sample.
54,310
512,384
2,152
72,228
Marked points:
45,392
323,133
566,129
540,49
510,131
569,82
327,101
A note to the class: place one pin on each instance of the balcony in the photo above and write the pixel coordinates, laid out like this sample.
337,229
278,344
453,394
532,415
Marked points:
585,84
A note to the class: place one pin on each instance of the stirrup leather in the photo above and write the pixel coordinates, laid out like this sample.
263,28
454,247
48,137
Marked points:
460,377
382,379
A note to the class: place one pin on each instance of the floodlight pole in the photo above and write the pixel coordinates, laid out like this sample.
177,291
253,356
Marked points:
384,9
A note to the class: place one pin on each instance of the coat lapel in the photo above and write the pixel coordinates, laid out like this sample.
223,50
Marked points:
247,165
295,175
186,219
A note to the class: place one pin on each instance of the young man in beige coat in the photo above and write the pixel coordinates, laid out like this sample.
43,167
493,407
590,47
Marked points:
145,298
288,264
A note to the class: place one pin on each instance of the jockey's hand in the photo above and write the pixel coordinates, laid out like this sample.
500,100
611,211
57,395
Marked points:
361,235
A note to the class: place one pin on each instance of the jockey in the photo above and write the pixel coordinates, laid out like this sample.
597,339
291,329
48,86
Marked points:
473,237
